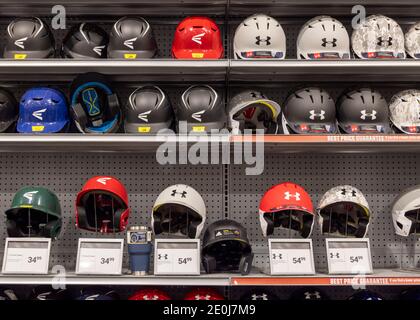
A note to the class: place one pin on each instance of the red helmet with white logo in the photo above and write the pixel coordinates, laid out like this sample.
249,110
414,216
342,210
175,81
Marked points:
197,38
287,205
203,294
102,205
150,294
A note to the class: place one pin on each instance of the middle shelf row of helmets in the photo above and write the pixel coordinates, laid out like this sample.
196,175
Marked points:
95,108
198,37
102,206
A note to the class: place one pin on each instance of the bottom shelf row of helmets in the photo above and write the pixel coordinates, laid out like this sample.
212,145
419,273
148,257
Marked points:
204,293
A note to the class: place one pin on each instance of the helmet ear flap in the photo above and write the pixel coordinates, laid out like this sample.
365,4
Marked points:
113,104
51,229
307,226
192,229
157,227
361,230
12,229
270,224
209,263
245,264
79,115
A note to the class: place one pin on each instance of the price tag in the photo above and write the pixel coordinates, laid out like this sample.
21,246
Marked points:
177,257
26,255
349,256
100,256
291,257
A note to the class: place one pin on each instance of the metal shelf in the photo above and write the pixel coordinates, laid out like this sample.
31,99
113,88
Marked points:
336,70
148,70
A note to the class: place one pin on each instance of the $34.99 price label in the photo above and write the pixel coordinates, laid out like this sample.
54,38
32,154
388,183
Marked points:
177,260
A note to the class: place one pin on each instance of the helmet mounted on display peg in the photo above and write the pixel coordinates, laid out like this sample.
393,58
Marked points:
252,110
406,212
323,37
412,41
203,110
226,248
203,294
366,295
102,205
289,206
404,111
9,110
259,37
308,293
309,111
85,41
44,293
95,106
197,38
132,38
29,38
35,212
179,210
378,37
148,111
43,110
97,293
344,211
259,295
363,111
150,294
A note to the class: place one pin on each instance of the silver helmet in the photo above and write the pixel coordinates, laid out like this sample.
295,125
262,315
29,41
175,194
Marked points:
412,41
404,111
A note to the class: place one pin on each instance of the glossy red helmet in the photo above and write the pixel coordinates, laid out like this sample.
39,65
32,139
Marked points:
197,38
102,205
203,294
150,294
287,205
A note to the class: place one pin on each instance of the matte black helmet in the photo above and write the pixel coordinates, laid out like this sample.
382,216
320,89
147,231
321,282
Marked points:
29,38
48,293
132,38
85,41
202,108
309,111
9,110
363,111
148,110
226,248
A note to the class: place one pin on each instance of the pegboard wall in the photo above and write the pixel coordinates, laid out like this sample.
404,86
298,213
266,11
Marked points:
381,177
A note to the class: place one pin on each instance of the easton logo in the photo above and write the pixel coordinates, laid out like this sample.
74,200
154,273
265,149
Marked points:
30,195
98,50
198,37
103,180
288,195
266,40
144,116
39,113
197,115
313,114
130,43
331,44
20,42
175,192
385,42
365,114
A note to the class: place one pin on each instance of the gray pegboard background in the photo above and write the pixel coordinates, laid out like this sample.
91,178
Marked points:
381,177
65,174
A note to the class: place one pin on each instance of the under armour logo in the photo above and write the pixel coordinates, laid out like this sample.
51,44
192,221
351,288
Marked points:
183,193
197,115
331,44
200,297
366,114
147,297
162,256
198,37
103,180
312,295
385,42
288,195
313,114
20,42
38,114
259,296
265,40
30,195
345,191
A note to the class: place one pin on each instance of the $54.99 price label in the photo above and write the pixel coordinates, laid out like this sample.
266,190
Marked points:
177,259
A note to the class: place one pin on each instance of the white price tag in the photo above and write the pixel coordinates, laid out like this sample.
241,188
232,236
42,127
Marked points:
26,255
177,257
291,256
349,256
100,256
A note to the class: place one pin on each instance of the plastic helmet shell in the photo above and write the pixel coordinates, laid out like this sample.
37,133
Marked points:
9,110
323,37
378,37
404,111
259,36
132,38
412,41
247,106
197,38
408,200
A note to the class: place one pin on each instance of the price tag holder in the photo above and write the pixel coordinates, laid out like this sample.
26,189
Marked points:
291,257
26,256
177,257
100,256
349,256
